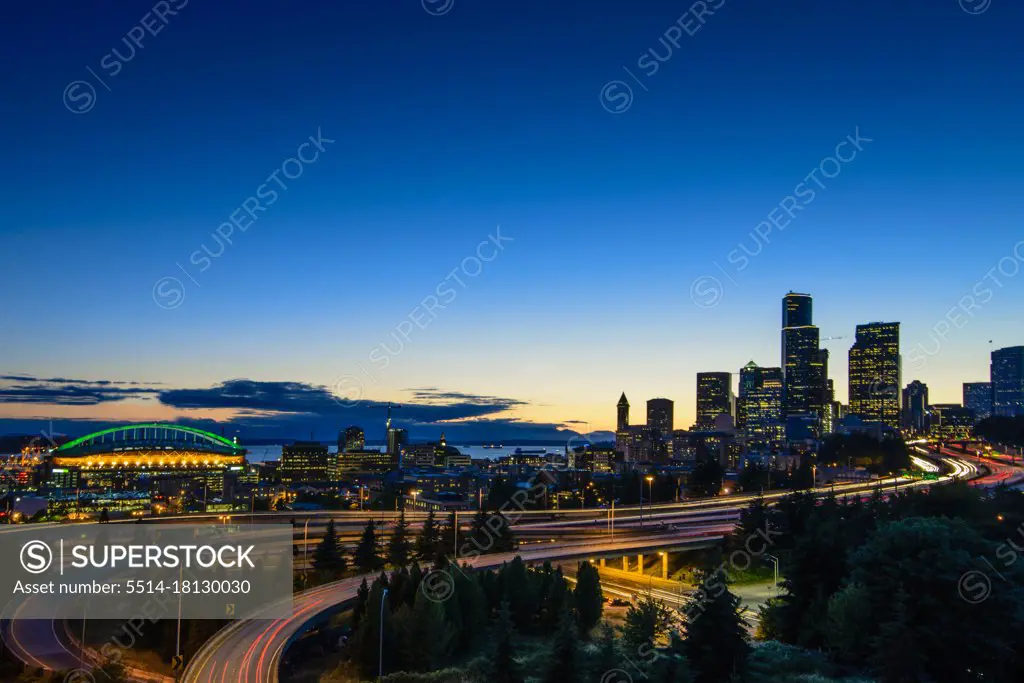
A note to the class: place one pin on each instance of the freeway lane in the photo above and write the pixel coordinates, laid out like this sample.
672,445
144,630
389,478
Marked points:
252,650
38,643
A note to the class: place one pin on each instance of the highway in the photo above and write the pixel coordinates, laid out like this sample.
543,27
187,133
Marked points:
251,650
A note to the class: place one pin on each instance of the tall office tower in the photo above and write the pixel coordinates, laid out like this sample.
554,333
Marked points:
397,440
915,407
750,375
660,413
622,438
714,398
352,439
804,369
875,374
828,415
821,391
978,397
1008,381
759,408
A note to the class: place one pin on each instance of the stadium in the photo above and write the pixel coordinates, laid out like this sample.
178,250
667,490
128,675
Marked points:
129,452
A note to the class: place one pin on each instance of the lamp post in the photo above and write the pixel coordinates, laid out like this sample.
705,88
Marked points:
650,498
380,656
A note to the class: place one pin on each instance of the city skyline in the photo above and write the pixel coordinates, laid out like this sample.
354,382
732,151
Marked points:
282,410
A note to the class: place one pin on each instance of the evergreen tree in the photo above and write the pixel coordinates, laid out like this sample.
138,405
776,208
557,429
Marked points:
716,638
362,596
423,635
446,541
608,658
896,653
328,559
415,578
588,598
366,643
564,664
426,541
555,599
468,608
672,666
366,556
520,591
503,666
645,622
399,547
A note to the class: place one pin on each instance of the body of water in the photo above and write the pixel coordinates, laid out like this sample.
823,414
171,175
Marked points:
265,453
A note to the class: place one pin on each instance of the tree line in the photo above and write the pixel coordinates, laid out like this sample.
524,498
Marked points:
429,620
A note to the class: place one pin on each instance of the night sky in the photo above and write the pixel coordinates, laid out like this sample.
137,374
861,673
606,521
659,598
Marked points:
637,156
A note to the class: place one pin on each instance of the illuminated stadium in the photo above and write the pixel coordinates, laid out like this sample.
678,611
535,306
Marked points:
131,451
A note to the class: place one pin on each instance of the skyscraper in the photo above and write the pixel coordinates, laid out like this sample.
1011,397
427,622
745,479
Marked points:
397,440
804,369
1007,373
759,408
875,373
714,398
978,397
660,413
915,407
622,424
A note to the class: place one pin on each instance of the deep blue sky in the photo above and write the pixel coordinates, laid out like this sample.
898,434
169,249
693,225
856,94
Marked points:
447,126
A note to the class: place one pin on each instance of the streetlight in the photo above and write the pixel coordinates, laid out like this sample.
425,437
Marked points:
380,657
650,486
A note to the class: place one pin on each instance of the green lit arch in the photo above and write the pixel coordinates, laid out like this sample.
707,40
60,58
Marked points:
172,435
